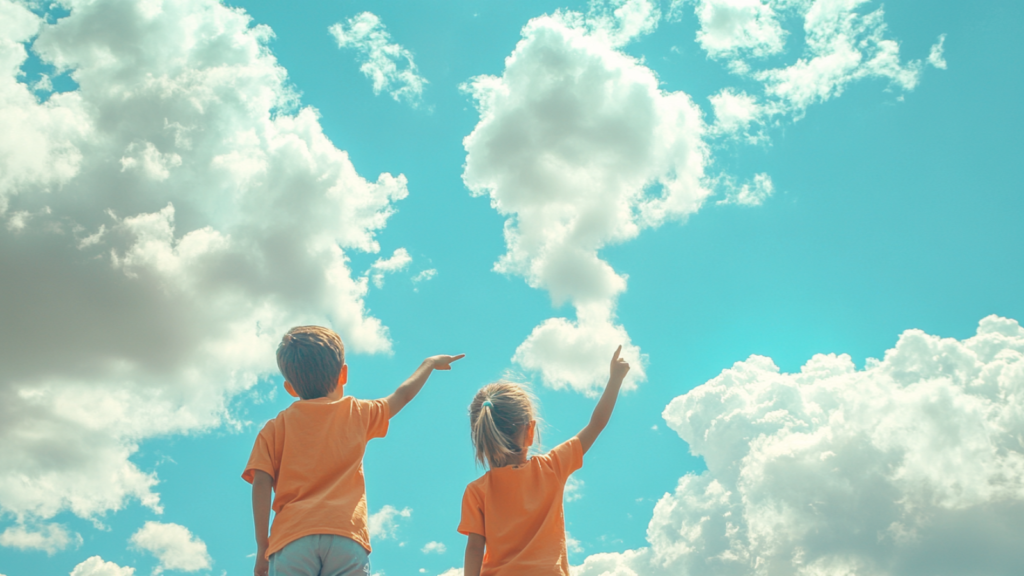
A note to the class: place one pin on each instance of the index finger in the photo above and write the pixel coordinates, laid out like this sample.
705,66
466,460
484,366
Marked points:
454,358
615,357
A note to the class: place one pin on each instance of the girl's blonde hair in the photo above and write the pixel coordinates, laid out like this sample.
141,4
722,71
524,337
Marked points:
496,426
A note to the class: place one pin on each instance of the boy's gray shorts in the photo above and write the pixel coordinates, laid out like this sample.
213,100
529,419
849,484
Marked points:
321,555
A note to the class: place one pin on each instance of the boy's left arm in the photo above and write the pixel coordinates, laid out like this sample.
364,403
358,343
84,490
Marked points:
412,385
262,485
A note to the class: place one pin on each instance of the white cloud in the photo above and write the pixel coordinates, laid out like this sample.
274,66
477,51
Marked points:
95,566
398,261
424,275
576,355
579,148
145,158
735,112
380,58
174,546
434,548
618,22
180,213
572,544
49,538
935,57
737,28
573,489
384,522
752,193
912,465
843,45
452,572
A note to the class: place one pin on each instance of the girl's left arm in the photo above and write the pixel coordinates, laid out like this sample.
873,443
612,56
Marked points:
474,555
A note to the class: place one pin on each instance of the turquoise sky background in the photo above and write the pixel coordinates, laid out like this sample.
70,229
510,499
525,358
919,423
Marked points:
892,210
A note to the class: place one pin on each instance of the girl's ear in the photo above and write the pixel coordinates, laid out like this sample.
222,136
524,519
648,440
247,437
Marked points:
530,428
288,387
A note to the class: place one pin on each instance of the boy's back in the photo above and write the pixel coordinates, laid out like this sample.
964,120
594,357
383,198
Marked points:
311,457
313,451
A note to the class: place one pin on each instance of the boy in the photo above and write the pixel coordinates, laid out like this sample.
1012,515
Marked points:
311,455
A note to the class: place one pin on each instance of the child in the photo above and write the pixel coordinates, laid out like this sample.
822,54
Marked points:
513,513
312,457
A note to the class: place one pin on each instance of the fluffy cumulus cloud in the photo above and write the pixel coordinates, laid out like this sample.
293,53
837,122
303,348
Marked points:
95,566
174,546
579,148
49,538
389,66
165,222
384,522
911,465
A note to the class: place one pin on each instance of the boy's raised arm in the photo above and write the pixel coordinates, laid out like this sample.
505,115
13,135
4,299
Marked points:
412,385
262,484
603,410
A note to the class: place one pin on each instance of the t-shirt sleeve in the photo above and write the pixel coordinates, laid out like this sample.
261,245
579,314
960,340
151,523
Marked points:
262,457
472,521
567,457
376,414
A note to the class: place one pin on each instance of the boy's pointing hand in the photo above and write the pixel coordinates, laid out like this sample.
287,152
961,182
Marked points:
443,362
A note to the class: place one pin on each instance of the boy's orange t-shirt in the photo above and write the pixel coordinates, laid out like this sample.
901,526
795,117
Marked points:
518,509
314,452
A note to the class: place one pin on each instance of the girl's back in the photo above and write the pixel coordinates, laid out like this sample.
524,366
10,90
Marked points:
519,509
512,515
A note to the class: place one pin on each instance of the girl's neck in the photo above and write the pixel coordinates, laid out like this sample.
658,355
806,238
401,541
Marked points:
520,460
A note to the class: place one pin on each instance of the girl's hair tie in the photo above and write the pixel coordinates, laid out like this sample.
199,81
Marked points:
487,404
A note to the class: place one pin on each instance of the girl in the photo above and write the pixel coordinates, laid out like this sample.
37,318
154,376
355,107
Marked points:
513,513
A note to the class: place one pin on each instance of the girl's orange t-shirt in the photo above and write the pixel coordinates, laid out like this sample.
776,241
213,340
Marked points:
314,452
518,509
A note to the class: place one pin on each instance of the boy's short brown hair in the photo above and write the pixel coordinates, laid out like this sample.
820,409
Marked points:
311,357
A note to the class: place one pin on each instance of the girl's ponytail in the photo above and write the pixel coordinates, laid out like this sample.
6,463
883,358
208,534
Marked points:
497,415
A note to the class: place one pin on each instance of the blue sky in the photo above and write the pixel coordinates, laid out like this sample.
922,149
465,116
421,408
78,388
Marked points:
139,338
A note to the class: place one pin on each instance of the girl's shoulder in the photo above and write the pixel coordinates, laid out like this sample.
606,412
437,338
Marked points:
564,458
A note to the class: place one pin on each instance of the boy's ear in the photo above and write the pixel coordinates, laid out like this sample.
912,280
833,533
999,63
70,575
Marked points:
343,375
288,387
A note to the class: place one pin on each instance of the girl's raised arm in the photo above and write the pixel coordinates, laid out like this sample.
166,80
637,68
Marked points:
603,410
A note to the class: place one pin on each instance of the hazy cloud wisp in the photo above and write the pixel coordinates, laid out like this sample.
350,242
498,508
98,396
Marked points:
382,60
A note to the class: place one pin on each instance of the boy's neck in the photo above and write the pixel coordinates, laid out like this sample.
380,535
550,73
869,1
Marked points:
332,396
337,394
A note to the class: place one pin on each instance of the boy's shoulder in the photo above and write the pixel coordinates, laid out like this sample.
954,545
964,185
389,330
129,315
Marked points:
302,414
